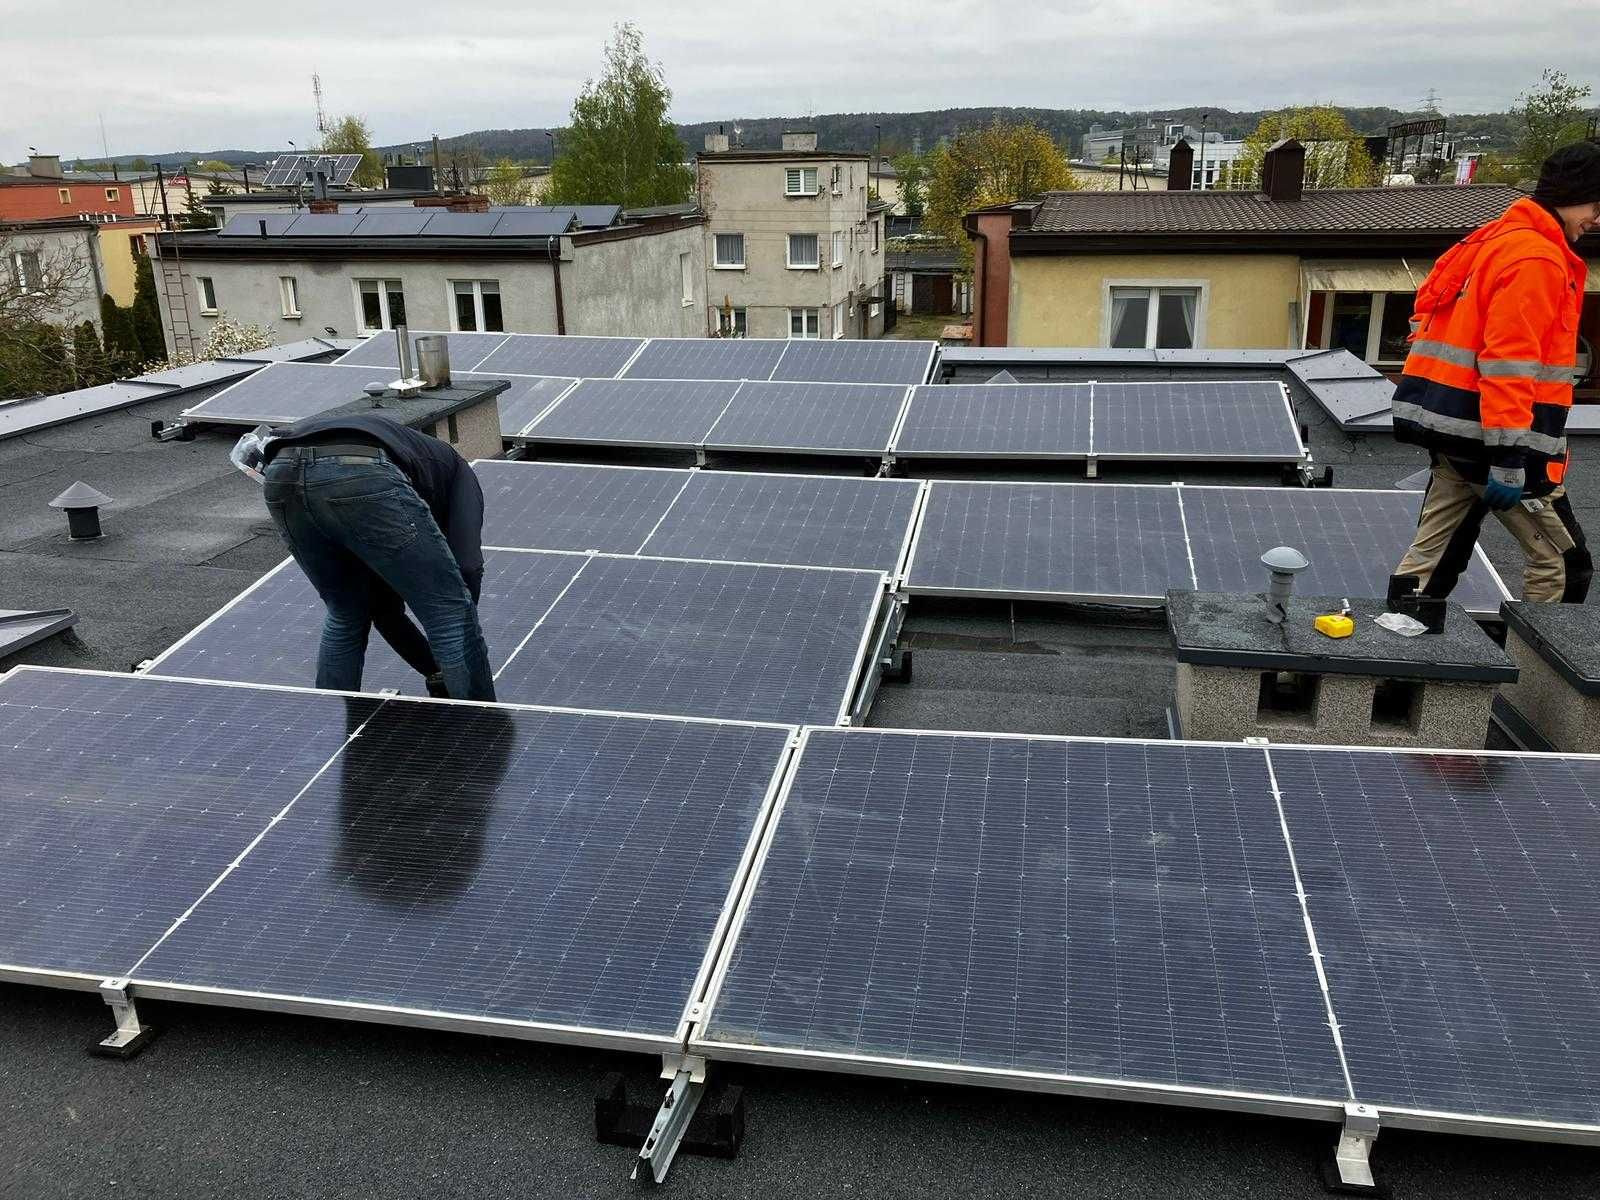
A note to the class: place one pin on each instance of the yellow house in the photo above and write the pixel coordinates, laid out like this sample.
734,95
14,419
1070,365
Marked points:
122,244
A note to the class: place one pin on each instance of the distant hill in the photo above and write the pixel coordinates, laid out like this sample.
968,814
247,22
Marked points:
899,131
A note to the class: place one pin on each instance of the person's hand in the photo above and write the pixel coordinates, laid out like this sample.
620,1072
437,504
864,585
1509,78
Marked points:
1504,489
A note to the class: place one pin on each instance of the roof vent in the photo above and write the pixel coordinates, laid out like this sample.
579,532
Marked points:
45,166
716,143
82,503
1284,562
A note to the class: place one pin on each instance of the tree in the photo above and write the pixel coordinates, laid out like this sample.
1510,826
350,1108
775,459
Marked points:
225,339
1335,154
139,164
41,284
215,166
912,171
196,214
506,184
996,165
350,135
620,147
146,312
1551,115
117,331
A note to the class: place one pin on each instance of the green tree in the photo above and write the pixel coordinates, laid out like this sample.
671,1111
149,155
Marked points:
117,332
145,315
621,148
90,364
912,171
1551,115
215,166
350,135
996,165
505,184
196,215
139,165
1336,157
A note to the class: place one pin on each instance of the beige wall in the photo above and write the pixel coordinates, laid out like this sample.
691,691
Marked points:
1246,299
117,257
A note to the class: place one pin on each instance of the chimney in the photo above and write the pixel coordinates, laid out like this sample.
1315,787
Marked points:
323,206
45,166
468,203
1283,173
1180,166
716,143
801,139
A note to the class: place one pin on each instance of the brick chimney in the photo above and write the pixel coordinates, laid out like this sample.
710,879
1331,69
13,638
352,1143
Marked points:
322,206
1283,172
45,166
716,143
1180,167
468,203
801,139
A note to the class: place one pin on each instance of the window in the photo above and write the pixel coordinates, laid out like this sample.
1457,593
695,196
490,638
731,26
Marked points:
65,194
838,247
800,181
686,278
802,322
1352,320
731,323
874,309
113,194
729,252
877,233
25,271
476,306
837,191
838,319
208,293
1154,318
803,252
380,303
289,295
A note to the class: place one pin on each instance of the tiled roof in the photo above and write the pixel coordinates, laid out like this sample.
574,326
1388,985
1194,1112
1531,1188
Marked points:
1339,210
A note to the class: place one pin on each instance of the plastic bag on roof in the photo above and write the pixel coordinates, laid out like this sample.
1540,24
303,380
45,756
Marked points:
247,452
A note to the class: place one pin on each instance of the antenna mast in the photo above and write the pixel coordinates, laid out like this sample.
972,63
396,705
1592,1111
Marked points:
322,117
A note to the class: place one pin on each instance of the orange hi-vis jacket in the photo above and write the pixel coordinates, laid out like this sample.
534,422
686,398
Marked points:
1494,345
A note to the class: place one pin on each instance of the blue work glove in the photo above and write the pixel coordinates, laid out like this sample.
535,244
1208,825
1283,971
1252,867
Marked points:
1504,489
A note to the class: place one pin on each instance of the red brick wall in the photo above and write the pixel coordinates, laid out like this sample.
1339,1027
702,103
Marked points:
991,280
33,201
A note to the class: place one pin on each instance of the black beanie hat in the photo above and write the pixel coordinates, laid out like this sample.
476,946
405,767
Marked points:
1570,176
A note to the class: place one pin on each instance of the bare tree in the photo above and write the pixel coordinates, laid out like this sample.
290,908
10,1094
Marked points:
46,286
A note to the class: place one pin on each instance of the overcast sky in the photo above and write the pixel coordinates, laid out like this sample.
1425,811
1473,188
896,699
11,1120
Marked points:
184,75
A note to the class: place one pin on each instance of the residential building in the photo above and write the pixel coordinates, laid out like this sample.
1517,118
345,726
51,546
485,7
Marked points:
64,249
177,189
1279,268
926,277
884,179
355,270
794,242
1150,146
257,203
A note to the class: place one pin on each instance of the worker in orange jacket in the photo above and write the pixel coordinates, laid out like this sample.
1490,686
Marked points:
1488,386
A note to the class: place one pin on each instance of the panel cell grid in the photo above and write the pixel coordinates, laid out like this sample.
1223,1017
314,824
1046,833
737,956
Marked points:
124,797
1221,420
1115,911
817,418
707,358
807,520
1456,900
564,869
283,392
700,639
548,354
635,412
573,506
847,360
466,349
1006,420
1094,541
525,399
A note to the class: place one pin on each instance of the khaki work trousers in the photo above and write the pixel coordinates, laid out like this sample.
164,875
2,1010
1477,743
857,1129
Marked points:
1558,563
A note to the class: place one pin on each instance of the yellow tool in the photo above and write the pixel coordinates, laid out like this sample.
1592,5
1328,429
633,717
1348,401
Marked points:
1336,625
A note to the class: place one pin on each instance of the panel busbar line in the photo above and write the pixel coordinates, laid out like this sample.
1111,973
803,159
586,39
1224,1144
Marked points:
552,875
1112,917
574,506
1456,902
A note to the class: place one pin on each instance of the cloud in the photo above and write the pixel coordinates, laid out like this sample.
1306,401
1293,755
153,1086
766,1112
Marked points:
224,74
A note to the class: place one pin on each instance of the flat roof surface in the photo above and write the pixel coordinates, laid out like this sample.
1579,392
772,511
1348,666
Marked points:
230,1103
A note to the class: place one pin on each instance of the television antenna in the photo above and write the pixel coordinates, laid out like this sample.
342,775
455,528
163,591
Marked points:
316,93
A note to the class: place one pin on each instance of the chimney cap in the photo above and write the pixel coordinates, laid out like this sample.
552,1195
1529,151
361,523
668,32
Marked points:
1285,559
80,495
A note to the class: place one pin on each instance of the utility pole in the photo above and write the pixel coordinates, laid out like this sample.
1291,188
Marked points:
438,168
1204,119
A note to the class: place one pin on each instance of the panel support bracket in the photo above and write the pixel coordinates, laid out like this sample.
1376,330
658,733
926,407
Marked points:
132,1035
671,1123
1350,1172
1091,467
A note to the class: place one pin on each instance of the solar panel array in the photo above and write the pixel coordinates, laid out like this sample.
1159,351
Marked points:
283,392
358,222
290,169
795,360
669,414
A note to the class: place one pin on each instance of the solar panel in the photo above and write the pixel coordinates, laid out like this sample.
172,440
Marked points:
288,352
674,414
445,223
700,639
1067,913
979,420
270,633
1354,540
707,358
849,361
1050,540
286,391
558,870
549,354
525,399
199,374
810,418
125,797
41,412
805,520
572,506
534,224
1332,364
324,225
394,222
1456,902
1350,400
466,351
249,224
1223,420
597,216
288,170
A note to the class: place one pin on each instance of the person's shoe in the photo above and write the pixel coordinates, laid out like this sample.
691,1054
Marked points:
436,688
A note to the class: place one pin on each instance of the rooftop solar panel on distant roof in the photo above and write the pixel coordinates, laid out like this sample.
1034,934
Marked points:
445,223
533,224
249,224
324,225
393,222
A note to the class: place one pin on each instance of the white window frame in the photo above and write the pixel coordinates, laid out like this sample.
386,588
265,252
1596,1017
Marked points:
450,300
289,297
1202,305
20,273
788,252
383,303
64,195
809,319
877,236
207,288
837,256
838,320
717,263
113,195
686,277
837,189
732,330
795,180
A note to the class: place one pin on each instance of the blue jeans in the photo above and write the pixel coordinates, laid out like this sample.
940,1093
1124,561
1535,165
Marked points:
346,519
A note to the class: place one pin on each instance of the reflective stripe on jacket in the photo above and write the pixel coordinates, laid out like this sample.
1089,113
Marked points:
1494,346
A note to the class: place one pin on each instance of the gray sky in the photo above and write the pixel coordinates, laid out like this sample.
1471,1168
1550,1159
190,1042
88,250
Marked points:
185,75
